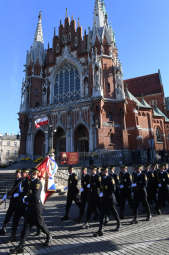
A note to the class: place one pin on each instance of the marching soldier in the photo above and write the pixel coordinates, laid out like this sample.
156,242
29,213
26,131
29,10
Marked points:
163,187
14,194
151,186
116,178
85,180
140,194
94,191
107,188
125,182
20,208
33,214
72,194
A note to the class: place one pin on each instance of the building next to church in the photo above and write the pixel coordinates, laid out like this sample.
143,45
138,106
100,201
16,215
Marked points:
78,83
9,148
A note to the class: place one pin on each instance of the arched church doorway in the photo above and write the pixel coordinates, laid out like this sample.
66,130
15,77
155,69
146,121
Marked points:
39,144
81,139
59,140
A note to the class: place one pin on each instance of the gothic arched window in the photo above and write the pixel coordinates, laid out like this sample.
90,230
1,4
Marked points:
159,135
67,84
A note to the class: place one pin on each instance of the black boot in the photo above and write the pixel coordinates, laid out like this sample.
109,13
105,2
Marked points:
48,241
118,226
17,250
134,221
99,233
37,232
149,218
13,238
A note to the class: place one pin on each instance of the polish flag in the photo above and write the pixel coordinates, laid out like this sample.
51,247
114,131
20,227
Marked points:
41,122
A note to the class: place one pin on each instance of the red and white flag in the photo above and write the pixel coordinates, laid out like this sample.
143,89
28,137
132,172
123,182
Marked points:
41,122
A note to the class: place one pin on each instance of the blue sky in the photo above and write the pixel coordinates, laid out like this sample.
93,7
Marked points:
142,37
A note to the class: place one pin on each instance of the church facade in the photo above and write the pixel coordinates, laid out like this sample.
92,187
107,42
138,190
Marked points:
78,84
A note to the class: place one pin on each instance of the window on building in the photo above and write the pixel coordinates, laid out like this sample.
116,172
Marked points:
137,121
111,138
159,135
67,84
8,153
110,116
15,143
8,143
108,87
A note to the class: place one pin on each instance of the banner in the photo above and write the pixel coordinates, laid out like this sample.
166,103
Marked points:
69,158
47,170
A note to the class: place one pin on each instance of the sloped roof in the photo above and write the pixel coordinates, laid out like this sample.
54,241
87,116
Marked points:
158,113
146,104
133,98
144,85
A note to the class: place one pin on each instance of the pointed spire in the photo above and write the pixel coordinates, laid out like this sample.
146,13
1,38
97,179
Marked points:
100,15
39,32
66,13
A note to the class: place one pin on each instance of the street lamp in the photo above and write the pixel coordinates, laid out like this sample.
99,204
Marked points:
52,135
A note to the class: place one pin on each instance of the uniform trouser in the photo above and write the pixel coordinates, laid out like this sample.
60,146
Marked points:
117,195
19,212
10,211
84,201
107,207
70,198
93,206
125,195
151,196
140,196
163,196
33,216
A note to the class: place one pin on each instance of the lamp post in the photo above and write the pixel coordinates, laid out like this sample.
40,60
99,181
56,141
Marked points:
52,135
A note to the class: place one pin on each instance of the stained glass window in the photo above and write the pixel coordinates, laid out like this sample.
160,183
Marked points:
67,84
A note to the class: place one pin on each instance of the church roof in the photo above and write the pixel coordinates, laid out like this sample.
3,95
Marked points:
145,85
158,113
133,98
146,104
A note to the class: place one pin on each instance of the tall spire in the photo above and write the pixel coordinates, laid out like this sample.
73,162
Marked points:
39,32
100,15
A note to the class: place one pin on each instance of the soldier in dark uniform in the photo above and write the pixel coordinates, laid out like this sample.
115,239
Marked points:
116,178
33,214
163,187
94,191
14,194
85,180
72,194
151,186
140,193
125,181
20,207
107,188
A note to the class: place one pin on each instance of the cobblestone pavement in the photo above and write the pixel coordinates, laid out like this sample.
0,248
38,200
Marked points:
69,238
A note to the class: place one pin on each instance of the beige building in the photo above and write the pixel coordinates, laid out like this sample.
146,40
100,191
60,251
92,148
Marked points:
9,148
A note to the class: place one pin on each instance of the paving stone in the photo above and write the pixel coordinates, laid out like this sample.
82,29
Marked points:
69,238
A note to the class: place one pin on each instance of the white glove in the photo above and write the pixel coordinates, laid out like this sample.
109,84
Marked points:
4,197
16,195
81,190
23,200
121,186
159,185
101,194
133,185
88,186
65,188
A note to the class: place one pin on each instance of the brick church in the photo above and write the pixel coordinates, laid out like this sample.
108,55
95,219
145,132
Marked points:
77,82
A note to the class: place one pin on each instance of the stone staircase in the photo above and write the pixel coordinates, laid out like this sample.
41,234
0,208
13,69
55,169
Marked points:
7,178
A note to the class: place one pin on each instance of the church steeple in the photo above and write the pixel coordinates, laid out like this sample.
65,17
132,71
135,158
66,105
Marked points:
100,15
39,32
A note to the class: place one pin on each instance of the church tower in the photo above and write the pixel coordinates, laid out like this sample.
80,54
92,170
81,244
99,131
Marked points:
77,83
